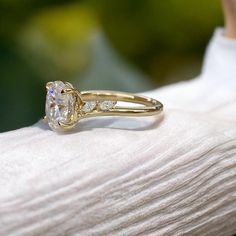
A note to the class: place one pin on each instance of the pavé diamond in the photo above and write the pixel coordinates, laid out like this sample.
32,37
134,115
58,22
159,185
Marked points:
106,105
60,107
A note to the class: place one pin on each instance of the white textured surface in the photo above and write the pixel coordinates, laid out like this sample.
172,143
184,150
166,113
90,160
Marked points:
172,175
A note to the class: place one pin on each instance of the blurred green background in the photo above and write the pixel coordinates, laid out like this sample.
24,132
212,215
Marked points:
129,45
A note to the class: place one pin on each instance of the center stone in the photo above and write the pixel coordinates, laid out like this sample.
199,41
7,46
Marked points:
60,107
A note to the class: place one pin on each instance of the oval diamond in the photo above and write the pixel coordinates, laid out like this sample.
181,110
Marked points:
60,107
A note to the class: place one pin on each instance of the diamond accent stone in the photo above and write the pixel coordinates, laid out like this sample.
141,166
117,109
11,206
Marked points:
89,106
106,105
60,107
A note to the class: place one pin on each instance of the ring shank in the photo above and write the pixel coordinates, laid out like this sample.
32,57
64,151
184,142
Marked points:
150,106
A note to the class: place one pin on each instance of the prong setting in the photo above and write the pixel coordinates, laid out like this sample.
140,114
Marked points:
61,105
45,119
48,85
67,91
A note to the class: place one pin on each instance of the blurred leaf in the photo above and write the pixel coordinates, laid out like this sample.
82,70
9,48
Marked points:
22,92
143,31
57,40
107,70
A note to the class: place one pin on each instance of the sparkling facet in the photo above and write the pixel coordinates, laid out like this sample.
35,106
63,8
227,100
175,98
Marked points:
59,106
106,105
89,106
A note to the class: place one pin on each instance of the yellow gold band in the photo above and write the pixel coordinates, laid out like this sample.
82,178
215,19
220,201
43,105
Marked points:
151,106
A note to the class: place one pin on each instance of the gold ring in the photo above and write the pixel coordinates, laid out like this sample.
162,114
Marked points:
65,105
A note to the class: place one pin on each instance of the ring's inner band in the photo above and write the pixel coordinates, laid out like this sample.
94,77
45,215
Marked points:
150,105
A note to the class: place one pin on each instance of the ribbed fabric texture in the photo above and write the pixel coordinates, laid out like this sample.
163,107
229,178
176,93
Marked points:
169,175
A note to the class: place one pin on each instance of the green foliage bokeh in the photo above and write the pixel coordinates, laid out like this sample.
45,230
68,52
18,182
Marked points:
42,40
